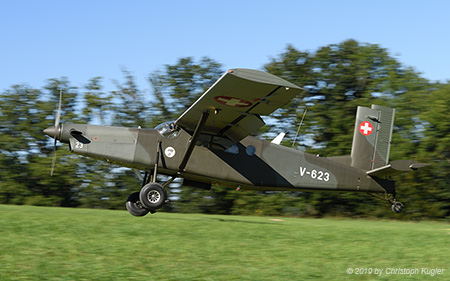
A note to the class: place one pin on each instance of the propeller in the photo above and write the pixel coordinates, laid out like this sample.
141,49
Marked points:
54,132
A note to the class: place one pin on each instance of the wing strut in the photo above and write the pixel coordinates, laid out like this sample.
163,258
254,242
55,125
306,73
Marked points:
193,141
186,155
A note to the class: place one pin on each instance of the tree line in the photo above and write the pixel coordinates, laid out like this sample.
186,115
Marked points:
337,78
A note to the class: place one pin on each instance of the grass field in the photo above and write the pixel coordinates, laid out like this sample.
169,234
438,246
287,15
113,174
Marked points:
79,244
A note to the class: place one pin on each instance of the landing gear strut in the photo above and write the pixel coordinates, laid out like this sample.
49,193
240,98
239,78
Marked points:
396,206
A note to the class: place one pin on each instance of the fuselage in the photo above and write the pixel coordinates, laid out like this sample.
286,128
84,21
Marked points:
250,164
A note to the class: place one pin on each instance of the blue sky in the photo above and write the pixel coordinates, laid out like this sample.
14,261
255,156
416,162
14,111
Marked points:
83,39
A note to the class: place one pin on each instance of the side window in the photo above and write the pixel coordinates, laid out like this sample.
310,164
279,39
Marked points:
168,130
233,149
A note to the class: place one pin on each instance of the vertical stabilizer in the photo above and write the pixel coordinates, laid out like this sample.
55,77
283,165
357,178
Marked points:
372,137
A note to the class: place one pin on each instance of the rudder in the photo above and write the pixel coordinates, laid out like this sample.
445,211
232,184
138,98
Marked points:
372,137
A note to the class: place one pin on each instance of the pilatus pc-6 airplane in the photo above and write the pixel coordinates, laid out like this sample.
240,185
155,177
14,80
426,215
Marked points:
211,143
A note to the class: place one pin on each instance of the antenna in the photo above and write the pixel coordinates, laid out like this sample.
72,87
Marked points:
299,126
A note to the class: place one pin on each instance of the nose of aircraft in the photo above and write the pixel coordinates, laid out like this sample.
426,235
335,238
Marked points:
51,131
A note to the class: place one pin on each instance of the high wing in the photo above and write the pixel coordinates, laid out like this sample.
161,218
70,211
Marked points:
236,101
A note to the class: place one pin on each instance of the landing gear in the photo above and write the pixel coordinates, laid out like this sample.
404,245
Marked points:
152,197
397,207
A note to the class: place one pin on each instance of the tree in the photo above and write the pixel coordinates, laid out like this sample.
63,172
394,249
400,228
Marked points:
130,106
98,105
430,190
338,78
25,153
181,84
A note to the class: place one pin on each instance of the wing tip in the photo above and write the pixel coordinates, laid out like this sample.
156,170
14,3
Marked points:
261,77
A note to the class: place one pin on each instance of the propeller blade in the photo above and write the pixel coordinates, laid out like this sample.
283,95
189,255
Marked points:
58,113
53,160
57,129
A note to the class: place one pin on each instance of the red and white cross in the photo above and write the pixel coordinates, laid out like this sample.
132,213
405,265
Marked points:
366,128
231,101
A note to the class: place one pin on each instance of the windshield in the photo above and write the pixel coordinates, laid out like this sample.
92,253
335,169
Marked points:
168,129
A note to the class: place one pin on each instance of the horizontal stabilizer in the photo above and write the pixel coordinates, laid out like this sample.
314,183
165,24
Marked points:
396,167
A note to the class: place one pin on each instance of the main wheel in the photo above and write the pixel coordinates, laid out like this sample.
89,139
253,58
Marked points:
397,207
153,196
135,207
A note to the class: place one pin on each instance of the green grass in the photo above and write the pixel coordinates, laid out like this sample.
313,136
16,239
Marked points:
79,244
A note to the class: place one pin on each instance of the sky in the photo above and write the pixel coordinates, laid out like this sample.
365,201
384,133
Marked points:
84,39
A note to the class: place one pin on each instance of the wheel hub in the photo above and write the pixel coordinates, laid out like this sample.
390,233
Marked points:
154,196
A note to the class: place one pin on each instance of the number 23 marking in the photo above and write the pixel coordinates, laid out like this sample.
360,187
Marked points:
78,145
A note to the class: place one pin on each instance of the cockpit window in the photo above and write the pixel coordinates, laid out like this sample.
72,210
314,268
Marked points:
168,129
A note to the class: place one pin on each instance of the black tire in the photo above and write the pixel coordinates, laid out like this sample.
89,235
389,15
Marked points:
135,207
153,196
397,207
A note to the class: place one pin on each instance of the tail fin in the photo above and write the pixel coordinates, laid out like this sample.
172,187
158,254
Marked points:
372,137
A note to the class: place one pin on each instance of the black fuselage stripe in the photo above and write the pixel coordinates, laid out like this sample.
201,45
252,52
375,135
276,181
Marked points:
253,168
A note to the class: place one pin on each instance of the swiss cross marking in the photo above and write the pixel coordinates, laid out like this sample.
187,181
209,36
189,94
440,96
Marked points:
233,102
366,128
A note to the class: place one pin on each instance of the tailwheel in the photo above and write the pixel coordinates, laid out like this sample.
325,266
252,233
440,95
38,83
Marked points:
135,207
397,207
153,196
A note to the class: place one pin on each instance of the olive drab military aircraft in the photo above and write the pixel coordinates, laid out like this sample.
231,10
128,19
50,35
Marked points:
211,143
